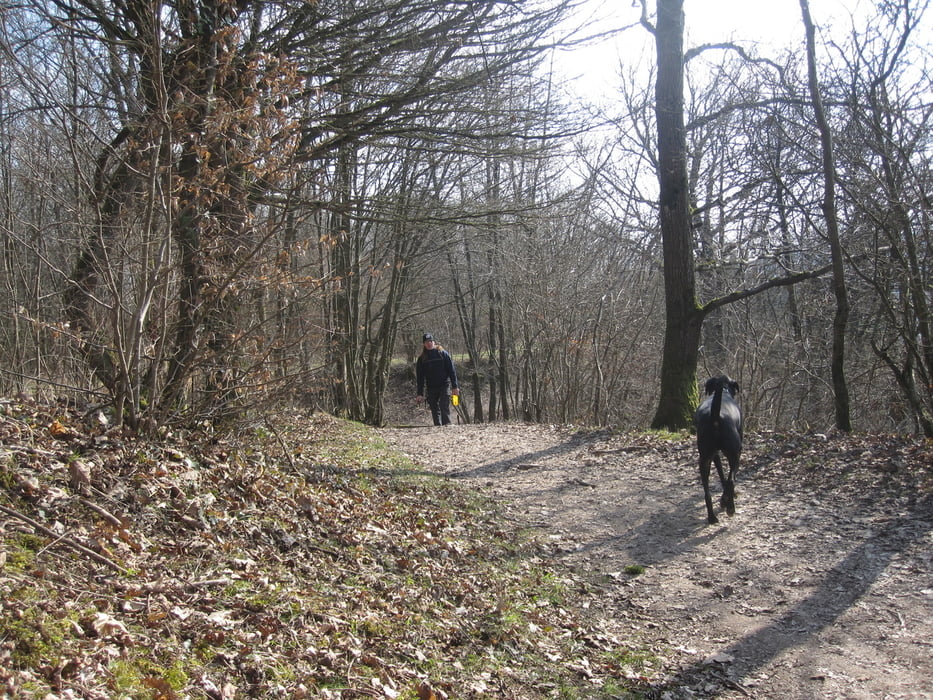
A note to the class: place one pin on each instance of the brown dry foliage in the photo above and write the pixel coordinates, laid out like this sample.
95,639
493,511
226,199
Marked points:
301,559
304,558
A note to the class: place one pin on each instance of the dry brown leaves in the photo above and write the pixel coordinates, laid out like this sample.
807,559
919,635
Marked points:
304,559
300,559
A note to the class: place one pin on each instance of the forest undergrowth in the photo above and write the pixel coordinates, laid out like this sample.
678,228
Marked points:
300,559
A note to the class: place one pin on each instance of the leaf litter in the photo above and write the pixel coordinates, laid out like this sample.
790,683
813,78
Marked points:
294,559
305,558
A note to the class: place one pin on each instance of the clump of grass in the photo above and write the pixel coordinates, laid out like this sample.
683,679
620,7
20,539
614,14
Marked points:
669,435
634,569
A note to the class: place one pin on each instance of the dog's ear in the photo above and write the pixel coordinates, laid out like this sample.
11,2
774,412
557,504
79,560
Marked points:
711,385
734,386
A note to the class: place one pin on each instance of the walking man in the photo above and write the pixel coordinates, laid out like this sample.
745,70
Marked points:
435,371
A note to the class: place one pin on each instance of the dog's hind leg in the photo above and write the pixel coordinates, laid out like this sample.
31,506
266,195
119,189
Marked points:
728,486
726,483
704,477
728,496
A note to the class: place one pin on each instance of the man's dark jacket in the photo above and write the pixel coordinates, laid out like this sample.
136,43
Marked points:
434,368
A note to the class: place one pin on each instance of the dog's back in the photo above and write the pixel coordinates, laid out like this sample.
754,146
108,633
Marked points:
718,419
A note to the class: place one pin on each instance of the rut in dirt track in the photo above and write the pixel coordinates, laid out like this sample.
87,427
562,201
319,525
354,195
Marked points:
821,586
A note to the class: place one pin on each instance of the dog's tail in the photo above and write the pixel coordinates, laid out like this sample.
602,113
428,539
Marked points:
716,406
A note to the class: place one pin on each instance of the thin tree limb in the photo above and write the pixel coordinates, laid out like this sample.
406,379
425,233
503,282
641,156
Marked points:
71,544
770,284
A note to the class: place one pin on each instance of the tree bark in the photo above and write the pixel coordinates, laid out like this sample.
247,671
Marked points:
841,317
684,317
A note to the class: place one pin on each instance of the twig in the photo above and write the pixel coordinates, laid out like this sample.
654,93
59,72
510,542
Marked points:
99,558
627,448
323,550
194,585
171,587
109,517
26,450
278,437
735,685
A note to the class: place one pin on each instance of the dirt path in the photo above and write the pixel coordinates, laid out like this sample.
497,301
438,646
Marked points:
821,586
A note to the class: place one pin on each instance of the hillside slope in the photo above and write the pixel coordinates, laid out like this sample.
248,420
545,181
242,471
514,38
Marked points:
295,559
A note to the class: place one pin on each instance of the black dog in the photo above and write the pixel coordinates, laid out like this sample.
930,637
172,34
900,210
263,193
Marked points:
718,422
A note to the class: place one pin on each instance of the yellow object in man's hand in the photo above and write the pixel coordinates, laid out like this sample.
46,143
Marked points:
455,400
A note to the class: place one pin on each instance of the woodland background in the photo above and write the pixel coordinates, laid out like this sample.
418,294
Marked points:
211,208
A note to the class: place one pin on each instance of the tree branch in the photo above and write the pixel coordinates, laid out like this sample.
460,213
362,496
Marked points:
770,284
729,46
644,21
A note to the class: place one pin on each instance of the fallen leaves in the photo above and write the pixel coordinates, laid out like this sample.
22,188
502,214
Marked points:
313,563
106,626
60,431
332,571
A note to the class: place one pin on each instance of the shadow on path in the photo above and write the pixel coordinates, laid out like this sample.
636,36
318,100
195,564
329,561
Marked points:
525,461
841,588
668,521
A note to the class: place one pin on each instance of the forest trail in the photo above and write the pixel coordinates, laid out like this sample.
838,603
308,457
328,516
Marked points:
821,585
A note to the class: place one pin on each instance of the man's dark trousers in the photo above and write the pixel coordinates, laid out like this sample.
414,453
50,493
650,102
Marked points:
439,401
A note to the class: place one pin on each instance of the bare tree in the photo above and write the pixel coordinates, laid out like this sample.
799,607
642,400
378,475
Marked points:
841,317
886,186
225,120
233,205
683,316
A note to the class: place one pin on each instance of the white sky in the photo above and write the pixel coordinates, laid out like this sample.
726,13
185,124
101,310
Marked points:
773,24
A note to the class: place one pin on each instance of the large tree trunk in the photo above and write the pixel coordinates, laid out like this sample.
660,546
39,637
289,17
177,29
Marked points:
683,315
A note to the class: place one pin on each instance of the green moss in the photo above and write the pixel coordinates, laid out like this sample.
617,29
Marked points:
551,589
33,635
371,627
619,691
19,558
669,435
7,476
139,677
634,660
